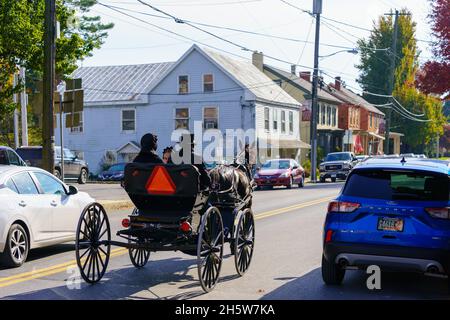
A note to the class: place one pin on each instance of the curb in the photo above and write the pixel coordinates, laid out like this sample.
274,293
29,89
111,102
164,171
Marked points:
116,204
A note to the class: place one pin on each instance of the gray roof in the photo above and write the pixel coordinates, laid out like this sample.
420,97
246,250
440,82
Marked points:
306,85
350,97
119,83
253,79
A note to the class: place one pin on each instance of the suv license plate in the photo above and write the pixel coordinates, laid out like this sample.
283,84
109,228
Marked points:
390,224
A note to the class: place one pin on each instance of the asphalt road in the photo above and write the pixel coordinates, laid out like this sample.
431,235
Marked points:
286,264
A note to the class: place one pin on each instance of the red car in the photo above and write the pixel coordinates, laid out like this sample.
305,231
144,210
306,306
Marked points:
280,172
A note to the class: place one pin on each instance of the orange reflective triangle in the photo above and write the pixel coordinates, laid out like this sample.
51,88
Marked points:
160,182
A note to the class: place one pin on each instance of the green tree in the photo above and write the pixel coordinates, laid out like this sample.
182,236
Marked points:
375,77
22,43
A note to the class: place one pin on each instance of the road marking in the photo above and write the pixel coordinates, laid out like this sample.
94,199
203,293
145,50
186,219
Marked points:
40,273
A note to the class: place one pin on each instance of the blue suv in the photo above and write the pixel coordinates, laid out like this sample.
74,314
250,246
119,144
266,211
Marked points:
393,213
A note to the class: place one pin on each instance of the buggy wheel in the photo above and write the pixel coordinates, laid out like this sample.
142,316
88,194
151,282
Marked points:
92,245
210,249
244,242
139,257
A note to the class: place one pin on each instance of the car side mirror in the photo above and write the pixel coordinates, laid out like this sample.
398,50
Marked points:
72,190
258,168
295,167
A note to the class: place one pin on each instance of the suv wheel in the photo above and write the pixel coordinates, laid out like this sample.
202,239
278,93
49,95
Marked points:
16,247
333,179
83,176
322,180
57,173
332,274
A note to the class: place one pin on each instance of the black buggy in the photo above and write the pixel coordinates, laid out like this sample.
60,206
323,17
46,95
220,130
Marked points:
172,213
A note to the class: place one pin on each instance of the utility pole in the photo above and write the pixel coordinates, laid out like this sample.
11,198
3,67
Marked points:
48,132
317,10
16,115
23,108
392,77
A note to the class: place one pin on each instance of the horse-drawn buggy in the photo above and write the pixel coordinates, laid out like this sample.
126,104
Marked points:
174,213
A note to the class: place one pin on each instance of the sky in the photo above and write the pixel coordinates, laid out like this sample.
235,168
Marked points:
134,41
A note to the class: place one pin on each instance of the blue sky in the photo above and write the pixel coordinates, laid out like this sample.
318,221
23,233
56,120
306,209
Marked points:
133,42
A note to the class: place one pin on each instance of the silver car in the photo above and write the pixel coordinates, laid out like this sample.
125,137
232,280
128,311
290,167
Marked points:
37,210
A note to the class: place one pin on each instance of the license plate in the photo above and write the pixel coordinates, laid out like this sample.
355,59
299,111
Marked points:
333,175
390,224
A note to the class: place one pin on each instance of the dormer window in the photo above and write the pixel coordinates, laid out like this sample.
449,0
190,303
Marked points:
208,83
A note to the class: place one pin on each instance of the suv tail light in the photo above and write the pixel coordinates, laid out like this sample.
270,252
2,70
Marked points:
342,206
440,213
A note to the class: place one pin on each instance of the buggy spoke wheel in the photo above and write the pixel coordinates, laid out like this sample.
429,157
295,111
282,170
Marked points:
139,257
244,242
210,249
92,245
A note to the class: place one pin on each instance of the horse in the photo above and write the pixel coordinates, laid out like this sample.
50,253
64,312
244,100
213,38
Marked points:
228,179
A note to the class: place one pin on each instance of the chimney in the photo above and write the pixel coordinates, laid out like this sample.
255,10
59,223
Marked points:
337,83
293,69
258,60
305,75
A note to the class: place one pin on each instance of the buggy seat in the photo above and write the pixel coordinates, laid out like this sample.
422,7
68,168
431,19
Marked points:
163,192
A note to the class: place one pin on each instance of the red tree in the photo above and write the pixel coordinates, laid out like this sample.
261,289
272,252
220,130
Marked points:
434,76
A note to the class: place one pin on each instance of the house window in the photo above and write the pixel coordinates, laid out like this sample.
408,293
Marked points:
329,116
210,118
334,117
77,120
291,122
208,83
128,120
266,119
323,114
370,119
182,118
275,119
283,121
183,84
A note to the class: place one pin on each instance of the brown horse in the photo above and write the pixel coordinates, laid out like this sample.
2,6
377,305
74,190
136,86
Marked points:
226,179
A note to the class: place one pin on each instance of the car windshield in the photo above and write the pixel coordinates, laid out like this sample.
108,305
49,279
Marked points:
117,167
398,185
276,164
338,157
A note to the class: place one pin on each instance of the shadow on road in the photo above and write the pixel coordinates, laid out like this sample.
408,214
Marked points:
393,286
128,283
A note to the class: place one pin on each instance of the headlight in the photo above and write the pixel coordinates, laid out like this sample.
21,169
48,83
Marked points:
322,167
285,175
256,175
347,166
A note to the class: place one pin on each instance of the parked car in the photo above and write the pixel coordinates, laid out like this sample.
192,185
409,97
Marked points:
74,168
114,173
37,210
280,172
391,213
9,157
337,165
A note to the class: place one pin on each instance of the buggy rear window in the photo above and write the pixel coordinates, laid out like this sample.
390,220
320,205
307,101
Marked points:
398,185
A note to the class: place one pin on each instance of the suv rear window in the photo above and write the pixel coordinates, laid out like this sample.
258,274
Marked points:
398,185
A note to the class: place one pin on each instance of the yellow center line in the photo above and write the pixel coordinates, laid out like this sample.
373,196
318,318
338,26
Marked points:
40,273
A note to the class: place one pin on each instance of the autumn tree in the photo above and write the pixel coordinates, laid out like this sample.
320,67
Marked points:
434,75
375,78
22,43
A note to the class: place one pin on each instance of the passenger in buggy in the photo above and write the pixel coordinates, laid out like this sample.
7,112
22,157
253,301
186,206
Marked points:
149,144
167,155
197,161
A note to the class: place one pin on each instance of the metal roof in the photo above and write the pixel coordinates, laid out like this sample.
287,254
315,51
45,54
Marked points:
119,83
253,79
437,166
350,97
306,85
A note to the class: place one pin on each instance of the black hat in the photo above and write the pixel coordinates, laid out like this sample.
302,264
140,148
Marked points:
149,141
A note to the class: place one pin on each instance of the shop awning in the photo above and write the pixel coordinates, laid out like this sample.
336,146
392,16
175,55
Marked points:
376,135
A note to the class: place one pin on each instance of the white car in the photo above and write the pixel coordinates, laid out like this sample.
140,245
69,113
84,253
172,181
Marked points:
37,210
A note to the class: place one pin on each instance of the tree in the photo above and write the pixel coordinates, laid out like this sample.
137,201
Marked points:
434,76
22,39
375,77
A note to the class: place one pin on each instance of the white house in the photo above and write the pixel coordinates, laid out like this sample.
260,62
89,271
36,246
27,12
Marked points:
203,87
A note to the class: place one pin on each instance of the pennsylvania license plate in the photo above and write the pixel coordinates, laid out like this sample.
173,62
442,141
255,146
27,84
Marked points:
390,224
